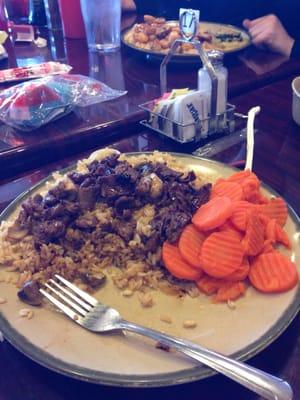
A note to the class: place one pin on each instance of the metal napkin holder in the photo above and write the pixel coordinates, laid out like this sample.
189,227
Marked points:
217,123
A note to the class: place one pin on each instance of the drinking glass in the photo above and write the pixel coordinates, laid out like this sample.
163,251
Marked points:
102,19
107,68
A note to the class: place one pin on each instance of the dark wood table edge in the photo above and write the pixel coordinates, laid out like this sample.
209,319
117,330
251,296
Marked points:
23,158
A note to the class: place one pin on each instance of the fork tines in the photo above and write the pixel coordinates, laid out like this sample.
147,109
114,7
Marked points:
68,298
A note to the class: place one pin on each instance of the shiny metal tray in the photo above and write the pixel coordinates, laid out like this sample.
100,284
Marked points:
183,133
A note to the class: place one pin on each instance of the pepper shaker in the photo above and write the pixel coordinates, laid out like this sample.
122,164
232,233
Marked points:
204,81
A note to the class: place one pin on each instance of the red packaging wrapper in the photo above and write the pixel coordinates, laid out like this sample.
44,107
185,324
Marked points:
29,105
34,71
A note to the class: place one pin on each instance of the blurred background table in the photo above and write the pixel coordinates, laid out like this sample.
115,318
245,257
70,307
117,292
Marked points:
255,78
99,124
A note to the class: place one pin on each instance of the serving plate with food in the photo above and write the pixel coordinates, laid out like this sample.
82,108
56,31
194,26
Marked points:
155,36
129,229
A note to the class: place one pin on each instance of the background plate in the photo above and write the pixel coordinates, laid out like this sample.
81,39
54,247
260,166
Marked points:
184,58
54,341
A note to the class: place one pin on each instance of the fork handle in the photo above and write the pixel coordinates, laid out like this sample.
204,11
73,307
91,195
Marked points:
262,383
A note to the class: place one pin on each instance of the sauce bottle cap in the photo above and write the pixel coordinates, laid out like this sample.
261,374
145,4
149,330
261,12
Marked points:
215,56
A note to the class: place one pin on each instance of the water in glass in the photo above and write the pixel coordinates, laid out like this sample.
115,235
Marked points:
102,19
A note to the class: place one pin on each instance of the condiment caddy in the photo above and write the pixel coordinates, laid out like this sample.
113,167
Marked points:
222,123
191,116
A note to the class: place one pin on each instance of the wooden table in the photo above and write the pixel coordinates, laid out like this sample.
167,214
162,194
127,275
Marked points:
276,161
100,123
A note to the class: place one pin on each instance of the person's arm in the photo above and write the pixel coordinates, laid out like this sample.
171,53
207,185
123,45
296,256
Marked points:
268,32
142,7
128,5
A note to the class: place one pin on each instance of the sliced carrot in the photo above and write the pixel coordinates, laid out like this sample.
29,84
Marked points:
209,285
213,213
221,254
239,216
254,238
276,234
273,273
240,176
250,187
189,245
276,208
249,182
264,218
220,180
257,198
176,265
239,274
233,190
267,247
230,291
282,237
229,227
271,230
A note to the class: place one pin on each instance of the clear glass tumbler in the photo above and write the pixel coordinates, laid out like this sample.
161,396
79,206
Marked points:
102,20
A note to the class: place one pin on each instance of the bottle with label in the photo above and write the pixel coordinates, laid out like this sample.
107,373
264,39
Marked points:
204,81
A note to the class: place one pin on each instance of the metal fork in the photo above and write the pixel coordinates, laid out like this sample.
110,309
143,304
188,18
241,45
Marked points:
86,311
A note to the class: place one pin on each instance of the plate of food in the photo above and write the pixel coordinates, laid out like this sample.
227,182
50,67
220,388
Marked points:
126,227
154,37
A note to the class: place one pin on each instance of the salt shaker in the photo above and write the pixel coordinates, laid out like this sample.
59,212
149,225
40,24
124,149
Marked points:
204,81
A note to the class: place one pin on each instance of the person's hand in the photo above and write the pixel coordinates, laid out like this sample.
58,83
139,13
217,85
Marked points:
268,32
